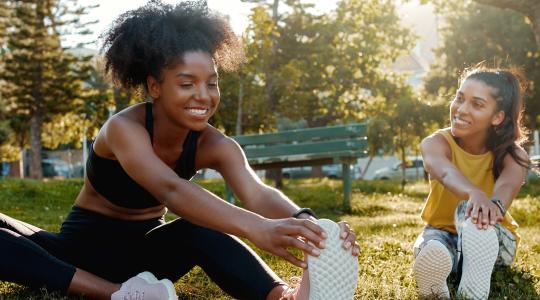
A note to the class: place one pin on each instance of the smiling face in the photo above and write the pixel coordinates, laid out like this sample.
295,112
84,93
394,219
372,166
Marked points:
188,92
474,110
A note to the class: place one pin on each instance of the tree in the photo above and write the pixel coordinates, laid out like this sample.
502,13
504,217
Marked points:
529,8
474,33
306,68
42,78
252,114
270,61
336,62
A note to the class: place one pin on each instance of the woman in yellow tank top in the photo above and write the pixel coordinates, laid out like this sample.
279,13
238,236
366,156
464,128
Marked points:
476,167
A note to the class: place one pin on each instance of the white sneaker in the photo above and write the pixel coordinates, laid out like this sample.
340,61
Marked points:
334,273
431,268
145,286
479,249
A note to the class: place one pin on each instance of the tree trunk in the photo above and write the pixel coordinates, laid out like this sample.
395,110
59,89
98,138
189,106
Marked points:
403,166
238,129
36,121
403,159
269,76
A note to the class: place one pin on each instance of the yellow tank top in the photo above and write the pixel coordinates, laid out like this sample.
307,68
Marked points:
441,203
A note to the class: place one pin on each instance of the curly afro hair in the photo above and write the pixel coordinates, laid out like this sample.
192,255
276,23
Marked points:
143,41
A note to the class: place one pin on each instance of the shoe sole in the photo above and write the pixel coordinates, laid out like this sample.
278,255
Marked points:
151,279
431,268
480,248
334,273
148,277
170,289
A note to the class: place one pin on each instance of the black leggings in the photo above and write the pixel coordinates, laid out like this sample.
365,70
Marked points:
117,250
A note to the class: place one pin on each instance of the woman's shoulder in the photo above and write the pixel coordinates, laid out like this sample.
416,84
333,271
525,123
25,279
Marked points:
212,137
129,121
215,147
441,136
520,154
438,142
126,121
133,113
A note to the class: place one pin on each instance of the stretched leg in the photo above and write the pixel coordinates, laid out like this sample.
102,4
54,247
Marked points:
479,250
179,245
435,254
174,248
25,261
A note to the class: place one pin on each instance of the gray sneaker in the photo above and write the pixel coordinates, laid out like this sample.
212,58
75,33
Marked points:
145,286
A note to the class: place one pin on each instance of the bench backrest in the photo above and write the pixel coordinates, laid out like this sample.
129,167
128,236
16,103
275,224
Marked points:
342,140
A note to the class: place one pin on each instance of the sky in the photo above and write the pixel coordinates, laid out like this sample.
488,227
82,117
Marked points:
108,10
419,17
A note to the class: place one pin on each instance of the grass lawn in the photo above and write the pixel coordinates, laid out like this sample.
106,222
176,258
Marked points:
386,220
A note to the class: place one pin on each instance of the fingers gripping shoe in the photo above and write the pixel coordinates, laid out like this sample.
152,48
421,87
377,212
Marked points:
480,248
431,268
334,273
145,286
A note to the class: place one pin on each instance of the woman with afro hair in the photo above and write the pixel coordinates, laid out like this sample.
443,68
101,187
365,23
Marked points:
115,243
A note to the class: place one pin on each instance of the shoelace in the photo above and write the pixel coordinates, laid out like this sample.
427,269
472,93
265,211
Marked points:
134,296
292,289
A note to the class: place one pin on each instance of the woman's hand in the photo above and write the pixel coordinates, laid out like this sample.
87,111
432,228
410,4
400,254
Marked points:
277,235
482,210
349,238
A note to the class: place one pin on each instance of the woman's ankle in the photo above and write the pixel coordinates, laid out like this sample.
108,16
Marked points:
298,289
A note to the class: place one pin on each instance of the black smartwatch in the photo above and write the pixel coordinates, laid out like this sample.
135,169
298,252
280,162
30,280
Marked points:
305,210
499,205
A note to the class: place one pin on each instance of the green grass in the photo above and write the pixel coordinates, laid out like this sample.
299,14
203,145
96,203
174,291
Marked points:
385,218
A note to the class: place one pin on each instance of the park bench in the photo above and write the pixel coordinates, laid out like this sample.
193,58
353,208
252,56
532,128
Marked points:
307,147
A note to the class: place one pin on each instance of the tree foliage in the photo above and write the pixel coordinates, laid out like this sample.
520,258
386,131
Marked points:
529,8
476,33
323,68
42,79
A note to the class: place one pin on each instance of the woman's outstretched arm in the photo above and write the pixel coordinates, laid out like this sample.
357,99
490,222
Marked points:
511,179
256,196
436,154
130,143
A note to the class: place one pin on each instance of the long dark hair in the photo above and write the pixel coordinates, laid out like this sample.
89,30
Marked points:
510,135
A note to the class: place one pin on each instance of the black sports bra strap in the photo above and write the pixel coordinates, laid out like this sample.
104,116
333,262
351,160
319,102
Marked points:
149,121
185,166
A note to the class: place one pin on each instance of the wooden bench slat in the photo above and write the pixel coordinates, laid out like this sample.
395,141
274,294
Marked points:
334,157
298,135
327,147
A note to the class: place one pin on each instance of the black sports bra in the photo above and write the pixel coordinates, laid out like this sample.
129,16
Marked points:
111,181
